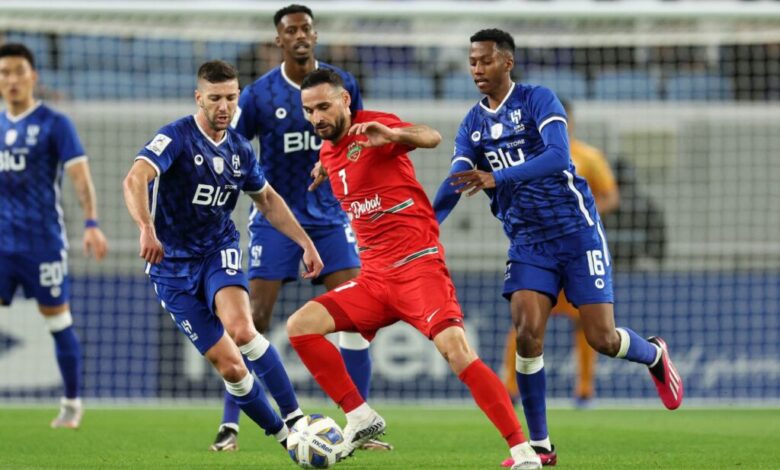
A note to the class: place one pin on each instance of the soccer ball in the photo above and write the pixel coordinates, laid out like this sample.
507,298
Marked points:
315,441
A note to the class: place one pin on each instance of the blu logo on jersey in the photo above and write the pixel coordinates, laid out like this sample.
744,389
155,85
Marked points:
208,195
501,158
11,162
297,141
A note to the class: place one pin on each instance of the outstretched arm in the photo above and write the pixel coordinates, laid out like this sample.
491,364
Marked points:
136,185
281,218
94,241
447,196
418,136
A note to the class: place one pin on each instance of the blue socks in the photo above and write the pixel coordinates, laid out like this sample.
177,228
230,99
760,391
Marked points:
635,348
354,350
231,410
532,385
265,362
68,351
249,395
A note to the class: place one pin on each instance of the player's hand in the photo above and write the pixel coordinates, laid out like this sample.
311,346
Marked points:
377,134
318,174
151,248
312,261
473,181
95,243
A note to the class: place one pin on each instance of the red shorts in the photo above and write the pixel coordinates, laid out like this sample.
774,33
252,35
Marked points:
421,295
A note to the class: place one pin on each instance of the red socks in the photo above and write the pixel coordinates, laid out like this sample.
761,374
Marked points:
325,363
493,399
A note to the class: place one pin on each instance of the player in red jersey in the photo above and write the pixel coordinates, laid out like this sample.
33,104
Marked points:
403,274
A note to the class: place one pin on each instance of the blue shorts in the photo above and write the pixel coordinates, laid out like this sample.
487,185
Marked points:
42,275
579,263
190,300
273,256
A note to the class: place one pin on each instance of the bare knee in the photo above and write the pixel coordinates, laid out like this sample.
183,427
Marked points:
605,342
243,334
452,344
529,317
261,315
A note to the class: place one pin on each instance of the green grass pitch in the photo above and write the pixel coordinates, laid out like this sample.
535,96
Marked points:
156,438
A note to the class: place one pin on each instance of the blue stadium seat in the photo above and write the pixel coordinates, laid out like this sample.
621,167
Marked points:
82,53
170,85
698,85
37,43
399,84
56,81
625,85
226,50
566,83
158,55
460,86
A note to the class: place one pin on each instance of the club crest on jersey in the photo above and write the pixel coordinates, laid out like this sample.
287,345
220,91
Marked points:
219,165
10,136
236,160
516,116
32,134
353,151
476,135
496,130
281,113
198,159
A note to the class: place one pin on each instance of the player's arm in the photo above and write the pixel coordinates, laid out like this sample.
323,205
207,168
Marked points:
318,175
447,196
282,219
94,241
416,136
136,186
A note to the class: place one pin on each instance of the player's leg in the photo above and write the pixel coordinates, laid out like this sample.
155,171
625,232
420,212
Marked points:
586,358
246,391
588,283
196,321
231,303
350,307
44,276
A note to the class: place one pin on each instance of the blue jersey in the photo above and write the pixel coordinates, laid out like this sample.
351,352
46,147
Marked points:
196,189
491,140
271,110
34,149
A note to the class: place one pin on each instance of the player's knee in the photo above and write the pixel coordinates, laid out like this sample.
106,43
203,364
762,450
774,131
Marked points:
231,370
456,350
607,344
244,335
529,342
261,316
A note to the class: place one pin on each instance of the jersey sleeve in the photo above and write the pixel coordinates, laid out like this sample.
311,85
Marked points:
162,150
464,148
350,83
66,142
245,119
255,181
545,107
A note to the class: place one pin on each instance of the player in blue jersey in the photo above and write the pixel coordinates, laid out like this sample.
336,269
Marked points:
180,191
513,145
36,144
270,110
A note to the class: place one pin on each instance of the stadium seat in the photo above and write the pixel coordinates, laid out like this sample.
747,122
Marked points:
699,85
460,86
37,43
400,84
157,55
225,50
170,85
106,85
80,53
625,85
566,83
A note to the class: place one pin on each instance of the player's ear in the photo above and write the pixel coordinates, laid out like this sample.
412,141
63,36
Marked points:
277,41
347,98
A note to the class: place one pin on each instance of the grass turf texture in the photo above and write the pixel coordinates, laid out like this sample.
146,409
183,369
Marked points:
153,438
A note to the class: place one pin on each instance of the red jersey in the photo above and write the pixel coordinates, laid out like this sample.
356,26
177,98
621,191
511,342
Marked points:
387,206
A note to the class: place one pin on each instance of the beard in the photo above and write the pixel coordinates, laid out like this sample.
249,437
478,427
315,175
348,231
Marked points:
332,132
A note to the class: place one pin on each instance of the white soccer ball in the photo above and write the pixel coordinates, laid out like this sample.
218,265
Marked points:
315,441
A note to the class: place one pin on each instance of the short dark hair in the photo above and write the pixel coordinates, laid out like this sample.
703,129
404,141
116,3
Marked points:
291,9
320,76
15,49
503,40
217,71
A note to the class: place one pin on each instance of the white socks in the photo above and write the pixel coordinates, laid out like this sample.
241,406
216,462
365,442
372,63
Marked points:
361,413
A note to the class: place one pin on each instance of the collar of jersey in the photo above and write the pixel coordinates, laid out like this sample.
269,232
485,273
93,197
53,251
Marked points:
216,144
292,83
494,111
18,118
